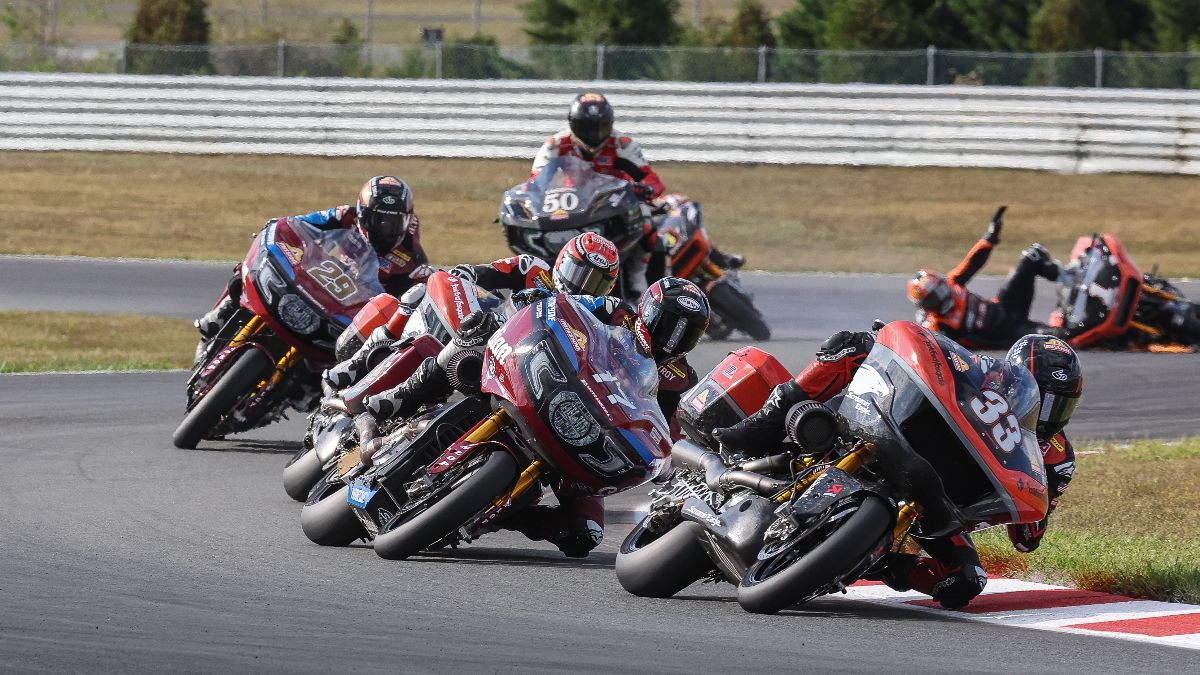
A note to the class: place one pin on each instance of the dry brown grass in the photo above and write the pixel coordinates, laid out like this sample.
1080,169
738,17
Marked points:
782,217
41,341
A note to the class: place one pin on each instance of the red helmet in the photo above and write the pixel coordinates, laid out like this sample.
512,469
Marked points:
672,316
587,265
930,292
385,210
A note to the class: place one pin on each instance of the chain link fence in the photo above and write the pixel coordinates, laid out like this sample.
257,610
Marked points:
1095,68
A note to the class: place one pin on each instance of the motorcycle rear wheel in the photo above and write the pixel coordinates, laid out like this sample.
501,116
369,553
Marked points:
485,483
328,520
767,589
247,369
738,311
301,474
659,567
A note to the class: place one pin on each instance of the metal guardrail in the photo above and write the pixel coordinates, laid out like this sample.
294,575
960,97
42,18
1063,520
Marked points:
1066,130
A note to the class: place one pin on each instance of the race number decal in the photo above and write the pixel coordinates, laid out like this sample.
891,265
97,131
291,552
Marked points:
333,278
992,410
567,201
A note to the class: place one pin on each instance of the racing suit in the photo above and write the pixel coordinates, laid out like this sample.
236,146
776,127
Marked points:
952,574
977,323
576,525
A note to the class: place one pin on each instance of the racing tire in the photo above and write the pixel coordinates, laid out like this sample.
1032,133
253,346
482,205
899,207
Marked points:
767,591
737,310
328,520
246,370
487,482
659,567
301,474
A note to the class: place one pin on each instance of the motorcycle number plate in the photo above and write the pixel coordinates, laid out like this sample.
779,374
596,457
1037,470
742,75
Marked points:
360,494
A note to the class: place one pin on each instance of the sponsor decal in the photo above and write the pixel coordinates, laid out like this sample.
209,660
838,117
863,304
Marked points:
571,420
934,361
399,257
559,214
293,253
833,490
578,338
1059,346
699,400
959,364
1060,375
729,370
700,515
297,315
836,356
384,516
499,348
598,260
689,303
389,200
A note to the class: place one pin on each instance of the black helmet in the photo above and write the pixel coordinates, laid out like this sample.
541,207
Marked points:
385,209
1059,375
672,316
591,121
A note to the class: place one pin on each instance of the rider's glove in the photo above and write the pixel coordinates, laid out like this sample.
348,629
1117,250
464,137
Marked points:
421,273
464,271
992,236
642,190
1026,537
530,296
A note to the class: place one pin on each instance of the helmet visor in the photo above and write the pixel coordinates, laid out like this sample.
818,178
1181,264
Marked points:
1056,412
591,132
675,335
385,228
582,279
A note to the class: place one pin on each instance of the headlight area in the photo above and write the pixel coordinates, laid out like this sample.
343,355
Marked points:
292,309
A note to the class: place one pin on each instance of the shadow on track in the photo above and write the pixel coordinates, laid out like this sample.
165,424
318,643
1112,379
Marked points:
250,446
517,558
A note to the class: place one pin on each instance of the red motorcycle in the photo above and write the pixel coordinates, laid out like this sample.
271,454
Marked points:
330,440
300,288
567,403
1104,300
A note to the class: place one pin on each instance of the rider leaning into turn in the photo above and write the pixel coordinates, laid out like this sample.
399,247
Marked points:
384,216
945,305
953,575
590,137
667,323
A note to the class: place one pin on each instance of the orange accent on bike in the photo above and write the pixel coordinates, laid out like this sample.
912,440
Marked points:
904,520
526,480
487,428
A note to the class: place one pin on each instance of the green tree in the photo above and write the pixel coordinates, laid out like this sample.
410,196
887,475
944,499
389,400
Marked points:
750,27
170,22
1176,25
613,22
871,24
998,26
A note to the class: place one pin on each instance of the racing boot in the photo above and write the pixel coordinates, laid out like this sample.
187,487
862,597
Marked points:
762,432
576,526
211,322
1045,266
729,261
352,369
428,383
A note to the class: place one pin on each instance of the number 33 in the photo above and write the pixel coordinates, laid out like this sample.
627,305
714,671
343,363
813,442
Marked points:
989,407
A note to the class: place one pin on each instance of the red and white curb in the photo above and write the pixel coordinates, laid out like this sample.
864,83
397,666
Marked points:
1025,604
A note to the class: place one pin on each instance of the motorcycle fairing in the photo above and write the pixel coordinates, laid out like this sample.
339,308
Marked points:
736,387
1103,291
909,368
447,301
581,394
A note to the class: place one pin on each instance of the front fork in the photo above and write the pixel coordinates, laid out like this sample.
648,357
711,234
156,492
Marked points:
486,431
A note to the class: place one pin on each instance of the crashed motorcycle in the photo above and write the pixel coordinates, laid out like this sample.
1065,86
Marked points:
437,311
1104,300
300,288
681,227
566,198
930,440
567,403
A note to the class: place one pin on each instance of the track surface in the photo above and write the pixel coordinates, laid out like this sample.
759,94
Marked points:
122,553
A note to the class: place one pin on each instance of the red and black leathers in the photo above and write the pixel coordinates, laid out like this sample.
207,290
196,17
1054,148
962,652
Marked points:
953,576
978,323
619,155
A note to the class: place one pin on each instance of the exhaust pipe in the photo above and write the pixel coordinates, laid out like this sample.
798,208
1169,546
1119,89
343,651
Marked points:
717,475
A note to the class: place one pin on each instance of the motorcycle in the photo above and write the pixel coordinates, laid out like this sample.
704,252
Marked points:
1104,300
566,402
567,198
928,439
689,247
444,302
300,286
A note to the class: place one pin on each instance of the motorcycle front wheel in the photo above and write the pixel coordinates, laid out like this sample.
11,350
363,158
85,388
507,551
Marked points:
238,380
472,494
737,310
782,580
659,566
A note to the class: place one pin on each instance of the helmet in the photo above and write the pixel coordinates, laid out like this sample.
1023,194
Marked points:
586,265
1059,375
385,209
930,292
672,315
591,121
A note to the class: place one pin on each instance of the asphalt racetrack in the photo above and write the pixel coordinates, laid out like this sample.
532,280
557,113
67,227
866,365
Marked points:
122,553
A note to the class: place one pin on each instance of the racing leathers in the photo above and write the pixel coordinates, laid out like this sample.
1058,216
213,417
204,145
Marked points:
576,525
952,574
979,323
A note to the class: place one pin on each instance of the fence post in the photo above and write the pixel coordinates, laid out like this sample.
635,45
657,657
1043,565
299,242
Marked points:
1099,53
599,62
123,64
930,58
281,58
762,63
437,59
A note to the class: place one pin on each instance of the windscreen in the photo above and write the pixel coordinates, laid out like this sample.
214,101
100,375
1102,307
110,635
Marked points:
568,184
1093,291
630,377
338,262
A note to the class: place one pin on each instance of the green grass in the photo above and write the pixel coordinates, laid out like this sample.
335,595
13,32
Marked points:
873,219
1126,525
47,341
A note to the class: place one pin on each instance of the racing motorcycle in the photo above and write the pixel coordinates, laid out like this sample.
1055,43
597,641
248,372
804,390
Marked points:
690,248
568,197
928,439
566,402
441,305
1104,300
300,286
